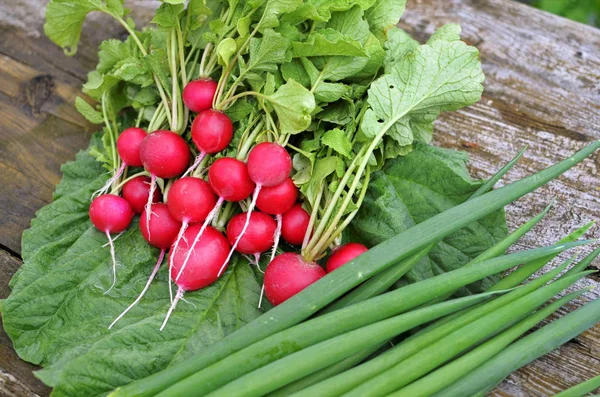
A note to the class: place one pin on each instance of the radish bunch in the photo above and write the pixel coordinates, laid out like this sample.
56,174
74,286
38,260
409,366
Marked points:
183,220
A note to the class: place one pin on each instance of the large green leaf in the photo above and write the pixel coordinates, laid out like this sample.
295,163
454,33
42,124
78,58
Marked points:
411,189
58,313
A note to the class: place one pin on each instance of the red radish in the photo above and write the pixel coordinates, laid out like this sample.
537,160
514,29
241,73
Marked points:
164,154
230,180
164,227
259,234
269,164
294,225
198,95
128,147
136,192
344,254
211,132
190,200
289,274
204,258
278,199
111,214
164,231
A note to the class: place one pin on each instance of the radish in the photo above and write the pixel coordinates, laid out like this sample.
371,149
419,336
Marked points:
344,254
269,164
294,224
136,192
204,258
164,154
190,200
229,179
198,95
211,132
128,147
164,231
258,237
289,274
276,200
111,214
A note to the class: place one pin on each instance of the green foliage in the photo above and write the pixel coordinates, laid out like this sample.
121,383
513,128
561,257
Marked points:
585,11
414,188
58,313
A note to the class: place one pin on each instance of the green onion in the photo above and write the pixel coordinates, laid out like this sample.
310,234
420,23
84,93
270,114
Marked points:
325,373
525,271
293,367
344,382
458,341
379,283
383,281
344,320
581,389
524,351
332,286
449,373
489,184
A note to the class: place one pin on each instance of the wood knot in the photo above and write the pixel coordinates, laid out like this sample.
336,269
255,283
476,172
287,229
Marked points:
37,91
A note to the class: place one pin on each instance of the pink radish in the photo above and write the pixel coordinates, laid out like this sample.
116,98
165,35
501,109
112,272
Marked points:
344,254
294,224
229,179
211,132
198,95
190,200
269,164
276,200
111,214
164,154
128,147
203,257
136,192
164,231
289,274
258,237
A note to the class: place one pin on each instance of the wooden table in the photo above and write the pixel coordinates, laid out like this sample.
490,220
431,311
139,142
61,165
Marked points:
542,89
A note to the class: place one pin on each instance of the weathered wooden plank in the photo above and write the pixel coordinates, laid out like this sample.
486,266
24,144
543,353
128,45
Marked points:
10,386
41,129
542,89
16,375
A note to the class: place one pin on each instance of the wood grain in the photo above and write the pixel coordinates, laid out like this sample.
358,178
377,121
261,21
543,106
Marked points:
542,89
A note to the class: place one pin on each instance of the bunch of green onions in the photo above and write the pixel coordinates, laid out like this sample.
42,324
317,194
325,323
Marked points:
327,341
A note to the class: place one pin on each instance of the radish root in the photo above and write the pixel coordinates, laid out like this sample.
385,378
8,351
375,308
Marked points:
246,223
178,296
148,208
146,287
184,226
114,260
